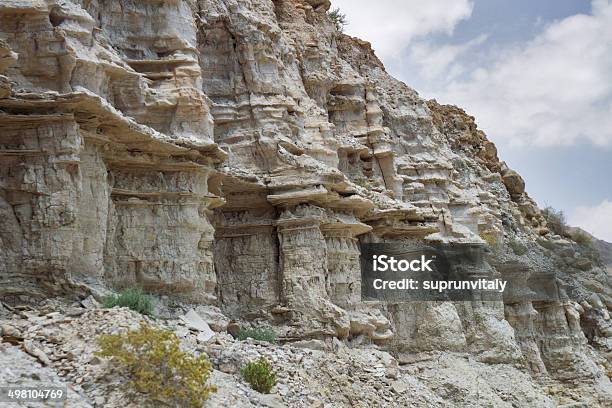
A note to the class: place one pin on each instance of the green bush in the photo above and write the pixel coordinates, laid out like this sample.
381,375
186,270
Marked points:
555,219
157,367
133,298
338,18
259,375
257,333
582,239
518,248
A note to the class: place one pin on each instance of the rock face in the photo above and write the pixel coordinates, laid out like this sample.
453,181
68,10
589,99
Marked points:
239,153
368,377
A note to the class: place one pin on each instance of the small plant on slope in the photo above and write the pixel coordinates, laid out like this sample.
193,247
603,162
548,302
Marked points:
259,375
338,18
582,239
133,298
157,367
555,219
257,333
517,247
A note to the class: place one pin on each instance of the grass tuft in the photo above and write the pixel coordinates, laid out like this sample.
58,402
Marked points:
257,333
134,298
259,375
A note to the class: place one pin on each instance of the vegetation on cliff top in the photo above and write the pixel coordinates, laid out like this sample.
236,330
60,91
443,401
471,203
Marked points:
555,219
338,18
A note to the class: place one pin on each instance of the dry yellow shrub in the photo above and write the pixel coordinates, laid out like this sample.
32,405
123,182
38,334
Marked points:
157,367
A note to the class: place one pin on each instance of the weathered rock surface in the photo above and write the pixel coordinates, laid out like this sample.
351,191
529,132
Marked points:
237,154
358,377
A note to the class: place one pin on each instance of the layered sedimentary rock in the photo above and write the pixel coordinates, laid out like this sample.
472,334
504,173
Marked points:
105,158
240,153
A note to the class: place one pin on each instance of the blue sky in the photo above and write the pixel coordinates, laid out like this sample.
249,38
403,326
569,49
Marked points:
537,75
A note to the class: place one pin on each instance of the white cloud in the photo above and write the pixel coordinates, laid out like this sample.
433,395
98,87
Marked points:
553,90
390,25
597,220
434,61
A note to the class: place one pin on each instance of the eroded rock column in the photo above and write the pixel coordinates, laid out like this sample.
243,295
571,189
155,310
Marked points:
246,255
303,273
343,258
39,188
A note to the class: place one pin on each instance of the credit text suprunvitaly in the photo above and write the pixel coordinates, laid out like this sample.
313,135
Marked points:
385,263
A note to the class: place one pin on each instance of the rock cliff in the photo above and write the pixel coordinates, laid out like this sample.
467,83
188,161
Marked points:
239,153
